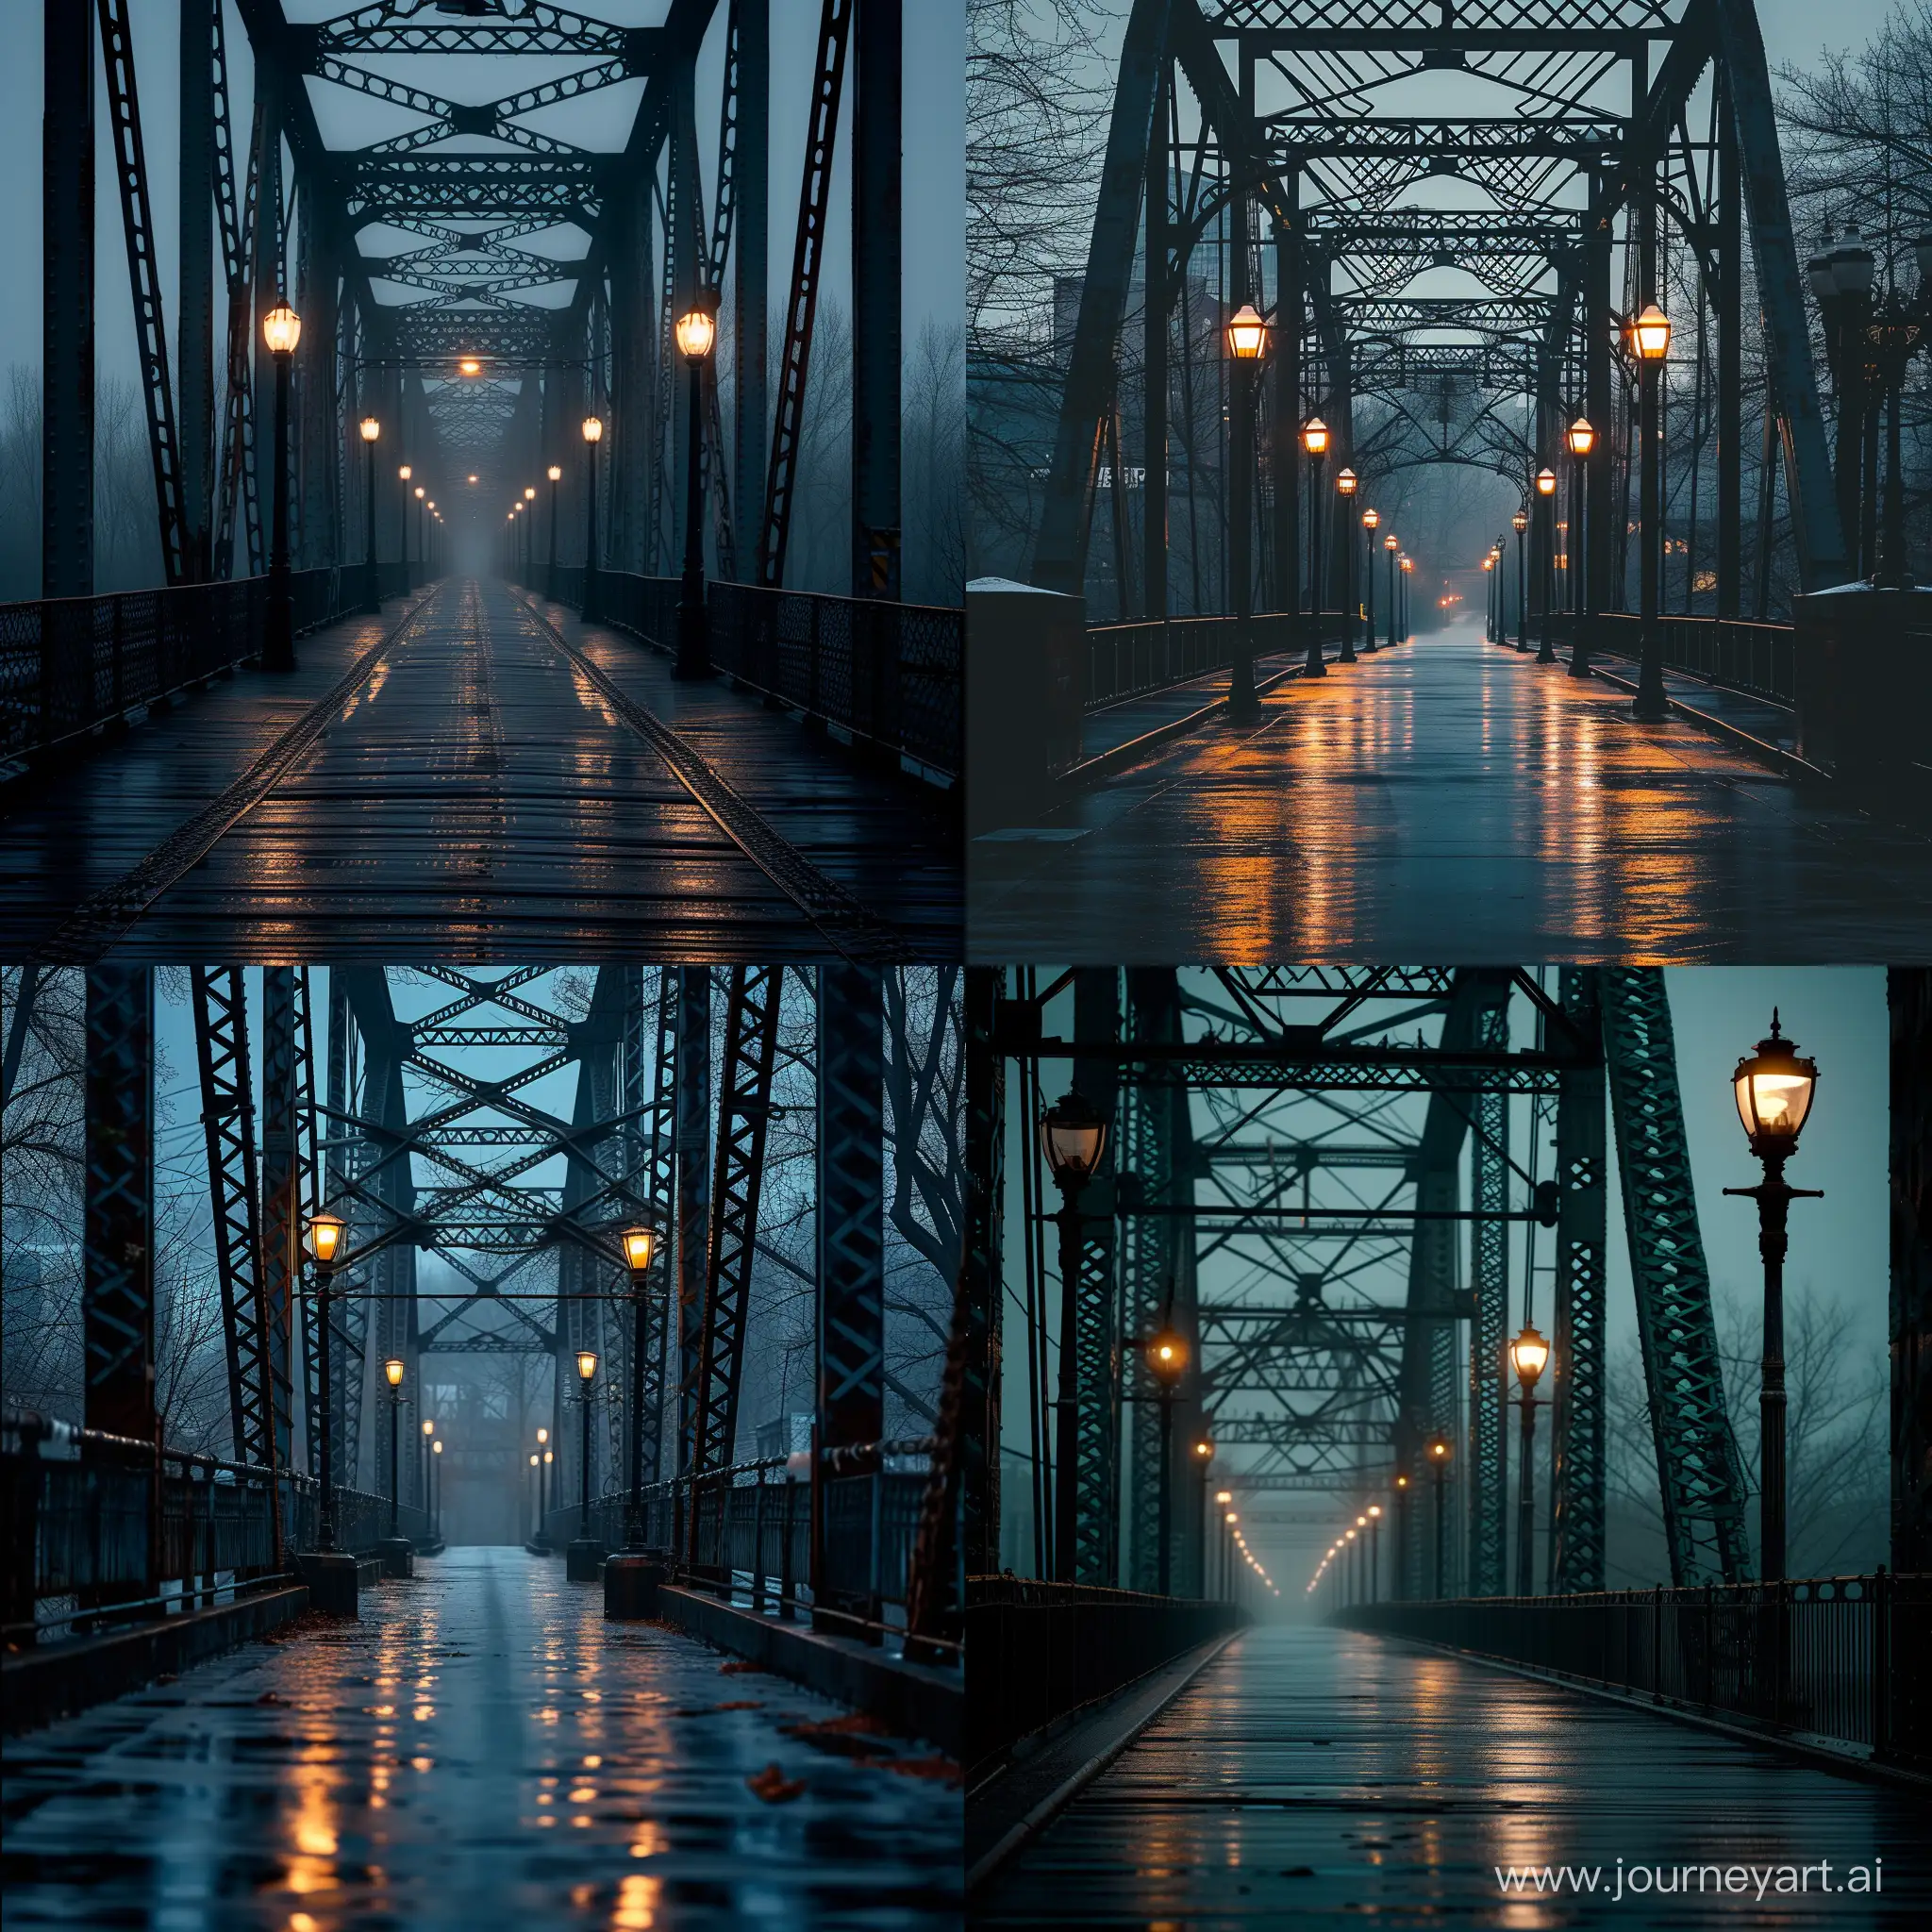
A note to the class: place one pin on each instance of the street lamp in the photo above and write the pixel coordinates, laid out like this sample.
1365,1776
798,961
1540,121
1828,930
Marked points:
403,472
1650,339
436,1492
639,1242
371,429
1528,1352
537,1496
1489,595
1545,495
281,329
555,473
1374,1515
696,330
326,1233
587,1370
1520,524
1315,440
1371,519
1391,544
594,435
1072,1139
1246,336
1581,438
1773,1087
421,553
393,1370
1166,1356
1347,483
1892,337
1439,1462
421,1462
1407,571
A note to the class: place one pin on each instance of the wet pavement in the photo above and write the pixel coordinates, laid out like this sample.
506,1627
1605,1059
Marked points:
474,796
1452,787
482,1750
1313,1778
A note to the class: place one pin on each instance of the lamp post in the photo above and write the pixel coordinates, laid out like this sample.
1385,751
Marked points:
1398,1568
1581,438
436,1490
555,473
1247,341
1315,440
1438,1464
1391,545
1407,572
594,435
536,1497
1166,1356
1372,520
587,1370
1528,1352
281,329
326,1233
423,1462
1347,482
640,1249
1520,524
1546,499
1650,340
1489,596
1072,1137
696,330
1374,1516
1773,1088
371,429
529,531
393,1370
1214,1575
404,472
1204,1460
422,533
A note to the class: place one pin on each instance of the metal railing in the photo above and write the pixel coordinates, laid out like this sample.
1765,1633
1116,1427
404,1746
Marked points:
1040,1650
1126,660
112,1522
70,664
888,676
753,1535
1728,653
1842,1659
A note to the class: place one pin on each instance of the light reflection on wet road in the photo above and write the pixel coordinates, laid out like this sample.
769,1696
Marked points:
1315,1777
482,1750
1452,794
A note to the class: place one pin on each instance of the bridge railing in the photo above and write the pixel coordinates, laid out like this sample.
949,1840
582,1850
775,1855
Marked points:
1126,660
887,676
71,664
1838,1658
749,1531
1730,653
1040,1650
123,1529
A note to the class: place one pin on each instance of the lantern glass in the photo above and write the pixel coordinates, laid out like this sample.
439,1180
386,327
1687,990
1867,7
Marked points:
469,366
325,1237
429,1428
640,1244
371,428
1388,542
1773,1088
1247,333
1582,437
1528,1355
1167,1357
405,471
393,1370
555,473
1371,517
1520,521
1315,437
437,1446
530,492
697,332
1546,482
1650,334
281,329
593,428
1072,1137
587,1364
1347,482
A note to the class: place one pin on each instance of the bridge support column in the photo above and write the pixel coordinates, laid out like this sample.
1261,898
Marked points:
67,302
876,297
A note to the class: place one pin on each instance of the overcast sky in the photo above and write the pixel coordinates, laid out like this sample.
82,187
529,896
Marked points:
934,148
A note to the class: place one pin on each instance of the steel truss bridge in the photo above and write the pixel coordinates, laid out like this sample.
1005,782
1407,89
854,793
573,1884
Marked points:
1446,212
474,277
509,1125
1343,1187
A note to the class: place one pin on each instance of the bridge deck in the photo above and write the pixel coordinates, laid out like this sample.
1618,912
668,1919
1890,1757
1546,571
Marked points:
1309,1777
481,1750
473,794
1452,787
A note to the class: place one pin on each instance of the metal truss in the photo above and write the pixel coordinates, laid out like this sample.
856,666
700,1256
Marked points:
1278,159
118,1218
1699,1475
744,1107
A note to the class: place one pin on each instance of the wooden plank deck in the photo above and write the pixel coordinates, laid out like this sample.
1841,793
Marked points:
477,796
1450,792
1316,1777
482,1750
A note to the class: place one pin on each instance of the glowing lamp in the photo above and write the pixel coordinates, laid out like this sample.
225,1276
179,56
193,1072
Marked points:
393,1370
1650,334
1167,1357
281,329
1773,1087
1315,437
1546,482
640,1244
1072,1137
325,1237
593,429
1582,438
1348,482
587,1364
697,332
1247,333
1528,1355
555,473
371,429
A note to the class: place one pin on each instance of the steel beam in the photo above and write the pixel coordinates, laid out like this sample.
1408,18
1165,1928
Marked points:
118,1313
67,301
693,1023
194,347
750,271
876,354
